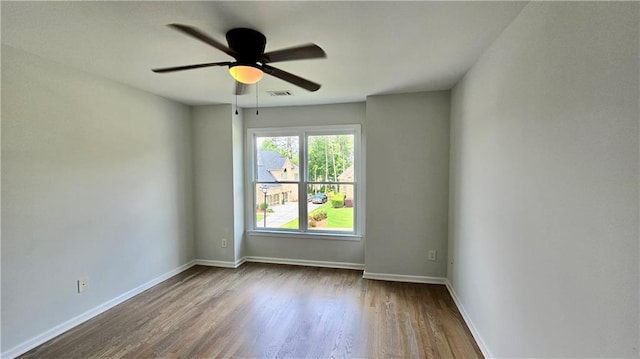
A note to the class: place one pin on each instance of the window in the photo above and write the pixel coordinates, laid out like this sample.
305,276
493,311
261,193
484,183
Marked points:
304,180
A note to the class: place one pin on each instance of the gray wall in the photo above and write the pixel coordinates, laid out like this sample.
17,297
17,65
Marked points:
217,157
237,143
407,183
96,183
544,184
305,248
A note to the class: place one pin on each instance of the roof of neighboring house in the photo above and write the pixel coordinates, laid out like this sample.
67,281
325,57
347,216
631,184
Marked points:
267,161
347,175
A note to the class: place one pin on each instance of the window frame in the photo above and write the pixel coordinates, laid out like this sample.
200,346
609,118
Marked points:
303,182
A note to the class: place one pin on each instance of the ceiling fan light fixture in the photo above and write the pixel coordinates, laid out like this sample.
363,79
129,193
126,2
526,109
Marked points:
246,74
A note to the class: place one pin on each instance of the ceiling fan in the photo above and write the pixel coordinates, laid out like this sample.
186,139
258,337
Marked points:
246,46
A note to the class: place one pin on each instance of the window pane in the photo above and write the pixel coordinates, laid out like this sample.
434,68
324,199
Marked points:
277,159
330,158
276,205
330,207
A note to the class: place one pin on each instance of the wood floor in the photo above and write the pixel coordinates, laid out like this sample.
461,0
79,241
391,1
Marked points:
273,311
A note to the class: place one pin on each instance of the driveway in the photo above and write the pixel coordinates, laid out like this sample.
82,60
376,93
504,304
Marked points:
284,214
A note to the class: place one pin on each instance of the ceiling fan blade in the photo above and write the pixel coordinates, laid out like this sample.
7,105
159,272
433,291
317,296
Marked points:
308,51
241,88
193,32
291,78
189,67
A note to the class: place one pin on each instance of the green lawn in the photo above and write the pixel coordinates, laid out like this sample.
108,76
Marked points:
293,224
337,218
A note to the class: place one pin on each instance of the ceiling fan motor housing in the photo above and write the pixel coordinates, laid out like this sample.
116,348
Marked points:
247,43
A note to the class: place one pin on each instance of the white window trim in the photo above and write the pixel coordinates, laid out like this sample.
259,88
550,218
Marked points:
303,132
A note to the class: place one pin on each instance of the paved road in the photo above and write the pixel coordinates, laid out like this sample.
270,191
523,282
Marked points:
283,214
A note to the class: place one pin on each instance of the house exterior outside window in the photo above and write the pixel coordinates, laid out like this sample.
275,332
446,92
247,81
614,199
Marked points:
275,168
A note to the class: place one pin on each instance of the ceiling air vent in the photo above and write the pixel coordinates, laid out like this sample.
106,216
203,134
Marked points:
279,93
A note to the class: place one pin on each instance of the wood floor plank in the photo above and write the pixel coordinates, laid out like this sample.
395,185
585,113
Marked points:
269,311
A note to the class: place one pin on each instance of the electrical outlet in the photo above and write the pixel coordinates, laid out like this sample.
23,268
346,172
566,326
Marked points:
82,284
224,243
432,255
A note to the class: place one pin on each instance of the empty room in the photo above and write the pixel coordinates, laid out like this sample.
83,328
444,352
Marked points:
313,179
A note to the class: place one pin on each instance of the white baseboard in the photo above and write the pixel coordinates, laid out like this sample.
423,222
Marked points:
73,322
222,264
404,278
304,262
476,335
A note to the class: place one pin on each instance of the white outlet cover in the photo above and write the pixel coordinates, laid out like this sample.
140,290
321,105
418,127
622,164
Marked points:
432,255
82,285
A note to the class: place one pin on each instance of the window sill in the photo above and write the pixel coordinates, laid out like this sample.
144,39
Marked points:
306,235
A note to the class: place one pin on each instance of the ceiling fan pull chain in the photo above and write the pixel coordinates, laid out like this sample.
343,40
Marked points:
236,104
257,106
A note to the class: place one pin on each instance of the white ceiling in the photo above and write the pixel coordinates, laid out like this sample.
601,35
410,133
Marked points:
372,47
